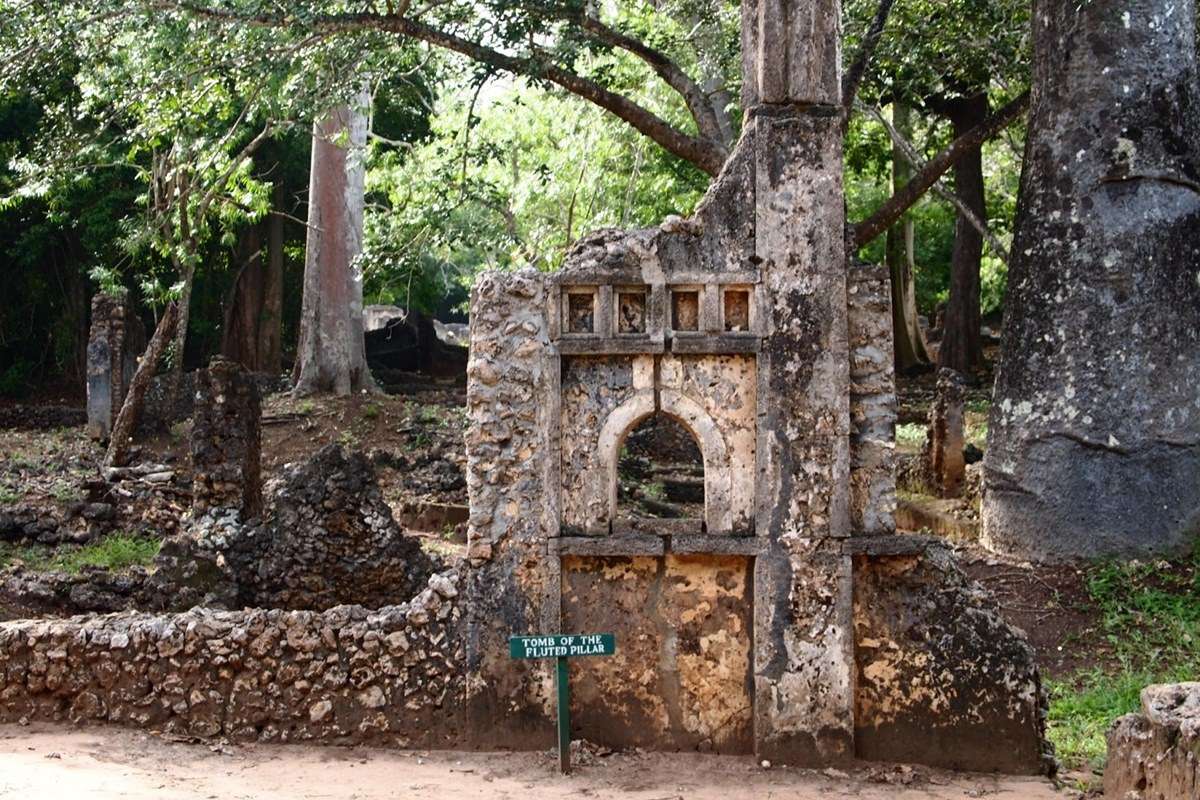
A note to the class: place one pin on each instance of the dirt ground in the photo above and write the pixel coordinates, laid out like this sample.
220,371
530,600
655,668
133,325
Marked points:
49,762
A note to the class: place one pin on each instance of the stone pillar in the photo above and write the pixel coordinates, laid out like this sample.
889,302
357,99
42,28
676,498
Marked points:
226,441
512,477
872,402
115,340
943,453
803,631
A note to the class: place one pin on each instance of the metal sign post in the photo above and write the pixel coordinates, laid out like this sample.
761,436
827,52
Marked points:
560,647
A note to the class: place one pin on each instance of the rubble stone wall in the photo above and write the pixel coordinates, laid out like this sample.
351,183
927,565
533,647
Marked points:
325,538
226,440
347,674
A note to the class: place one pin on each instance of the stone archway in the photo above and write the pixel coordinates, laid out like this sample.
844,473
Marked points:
718,476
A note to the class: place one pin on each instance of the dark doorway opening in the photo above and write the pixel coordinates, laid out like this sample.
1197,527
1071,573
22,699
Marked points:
660,474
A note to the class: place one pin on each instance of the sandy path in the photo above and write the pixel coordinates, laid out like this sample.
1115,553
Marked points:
44,763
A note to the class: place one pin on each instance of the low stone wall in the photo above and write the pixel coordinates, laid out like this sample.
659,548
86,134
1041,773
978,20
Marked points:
1155,755
348,674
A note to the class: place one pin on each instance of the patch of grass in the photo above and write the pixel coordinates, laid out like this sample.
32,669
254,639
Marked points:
979,406
8,495
655,490
348,440
116,551
1150,617
305,407
911,435
371,411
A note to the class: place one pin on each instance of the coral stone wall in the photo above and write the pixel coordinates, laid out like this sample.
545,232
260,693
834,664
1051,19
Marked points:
681,675
115,340
348,674
226,440
1156,753
942,679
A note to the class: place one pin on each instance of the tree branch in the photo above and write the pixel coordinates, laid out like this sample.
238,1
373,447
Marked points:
705,154
858,68
697,100
863,232
910,155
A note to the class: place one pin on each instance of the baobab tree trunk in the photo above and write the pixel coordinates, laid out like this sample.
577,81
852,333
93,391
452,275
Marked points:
911,352
1094,436
961,349
330,355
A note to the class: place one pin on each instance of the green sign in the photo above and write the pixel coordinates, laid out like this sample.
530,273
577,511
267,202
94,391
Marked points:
560,647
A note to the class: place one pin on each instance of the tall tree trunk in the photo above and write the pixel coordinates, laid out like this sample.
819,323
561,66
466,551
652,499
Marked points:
270,320
243,306
330,355
1094,433
961,348
911,352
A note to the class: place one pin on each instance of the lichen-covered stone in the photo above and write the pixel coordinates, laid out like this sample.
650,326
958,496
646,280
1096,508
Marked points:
1155,754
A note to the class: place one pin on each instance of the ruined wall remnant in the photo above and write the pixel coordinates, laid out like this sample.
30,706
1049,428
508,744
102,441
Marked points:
348,674
226,441
511,382
942,679
943,451
1155,754
326,537
743,324
115,340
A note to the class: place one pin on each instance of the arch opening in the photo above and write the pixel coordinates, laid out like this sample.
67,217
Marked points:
660,471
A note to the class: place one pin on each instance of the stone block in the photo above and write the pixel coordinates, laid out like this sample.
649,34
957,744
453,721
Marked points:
1155,754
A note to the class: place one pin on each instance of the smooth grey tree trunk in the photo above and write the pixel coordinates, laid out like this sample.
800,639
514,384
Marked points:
1094,438
331,356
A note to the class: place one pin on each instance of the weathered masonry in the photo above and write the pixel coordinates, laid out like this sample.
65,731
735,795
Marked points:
789,620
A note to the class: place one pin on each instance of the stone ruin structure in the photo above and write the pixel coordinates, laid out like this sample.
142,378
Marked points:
115,340
1155,754
788,619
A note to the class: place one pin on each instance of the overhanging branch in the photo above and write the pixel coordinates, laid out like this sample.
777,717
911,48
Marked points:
863,232
704,153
